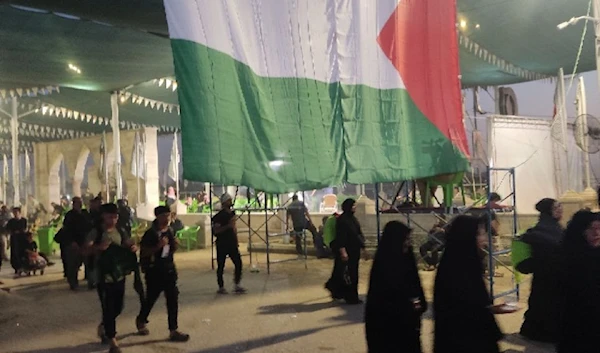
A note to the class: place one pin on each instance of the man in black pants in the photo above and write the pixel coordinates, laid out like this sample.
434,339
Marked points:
156,256
301,220
227,243
76,227
16,227
106,242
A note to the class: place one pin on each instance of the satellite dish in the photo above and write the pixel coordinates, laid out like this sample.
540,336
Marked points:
587,133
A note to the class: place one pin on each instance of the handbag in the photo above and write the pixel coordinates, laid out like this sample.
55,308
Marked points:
347,279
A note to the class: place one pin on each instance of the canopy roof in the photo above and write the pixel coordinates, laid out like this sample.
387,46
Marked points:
123,45
522,33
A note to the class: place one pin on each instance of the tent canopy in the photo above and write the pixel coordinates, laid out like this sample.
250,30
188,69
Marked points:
123,45
503,37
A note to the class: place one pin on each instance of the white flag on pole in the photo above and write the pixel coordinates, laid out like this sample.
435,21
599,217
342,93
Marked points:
138,164
102,169
27,167
4,175
175,158
5,169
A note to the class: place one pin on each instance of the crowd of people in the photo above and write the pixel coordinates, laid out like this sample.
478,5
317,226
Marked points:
562,309
563,305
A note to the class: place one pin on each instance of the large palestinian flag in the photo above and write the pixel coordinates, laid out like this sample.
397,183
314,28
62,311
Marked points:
285,95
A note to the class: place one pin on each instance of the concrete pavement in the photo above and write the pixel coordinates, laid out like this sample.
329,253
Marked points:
286,311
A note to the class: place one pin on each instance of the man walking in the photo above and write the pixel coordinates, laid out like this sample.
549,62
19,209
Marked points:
301,220
4,218
227,244
156,257
115,259
76,227
16,227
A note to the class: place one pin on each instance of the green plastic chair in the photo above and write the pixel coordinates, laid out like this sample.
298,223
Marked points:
189,235
448,188
45,240
521,251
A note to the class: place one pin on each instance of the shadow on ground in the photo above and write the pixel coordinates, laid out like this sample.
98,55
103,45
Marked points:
244,346
238,347
352,313
527,345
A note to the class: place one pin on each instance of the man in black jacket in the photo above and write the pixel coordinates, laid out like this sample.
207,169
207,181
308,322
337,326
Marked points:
125,216
110,290
76,226
156,256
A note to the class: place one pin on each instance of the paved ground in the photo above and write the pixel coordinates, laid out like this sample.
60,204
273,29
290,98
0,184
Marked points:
287,311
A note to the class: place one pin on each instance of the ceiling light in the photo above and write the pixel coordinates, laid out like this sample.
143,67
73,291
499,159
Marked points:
463,24
477,26
74,68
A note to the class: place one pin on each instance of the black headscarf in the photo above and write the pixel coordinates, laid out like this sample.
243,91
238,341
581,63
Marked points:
394,275
347,205
574,241
581,289
392,322
461,245
461,299
545,206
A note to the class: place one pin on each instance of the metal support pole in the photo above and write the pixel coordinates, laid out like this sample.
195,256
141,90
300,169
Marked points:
250,232
114,106
489,231
14,132
267,235
515,218
377,212
303,236
212,233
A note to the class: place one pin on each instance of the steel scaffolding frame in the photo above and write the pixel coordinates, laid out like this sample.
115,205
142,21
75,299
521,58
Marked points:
493,256
269,214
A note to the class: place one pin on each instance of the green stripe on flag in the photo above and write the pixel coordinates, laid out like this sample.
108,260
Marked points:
286,134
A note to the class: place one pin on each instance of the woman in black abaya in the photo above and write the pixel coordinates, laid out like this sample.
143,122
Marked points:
347,246
545,240
395,301
579,325
464,321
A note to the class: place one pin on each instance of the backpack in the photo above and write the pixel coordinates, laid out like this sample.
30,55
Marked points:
329,230
100,233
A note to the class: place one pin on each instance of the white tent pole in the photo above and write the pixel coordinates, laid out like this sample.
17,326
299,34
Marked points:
145,169
4,178
176,164
581,112
114,105
562,114
14,131
137,164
